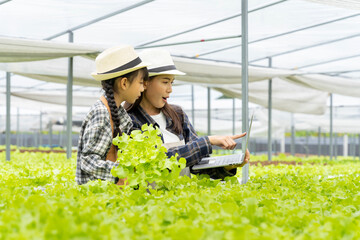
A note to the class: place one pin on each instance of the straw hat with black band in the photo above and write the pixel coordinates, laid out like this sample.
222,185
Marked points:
161,62
117,61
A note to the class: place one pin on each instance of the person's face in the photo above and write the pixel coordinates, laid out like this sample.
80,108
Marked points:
158,90
134,89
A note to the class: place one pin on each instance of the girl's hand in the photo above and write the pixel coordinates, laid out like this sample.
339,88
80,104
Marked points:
122,181
225,142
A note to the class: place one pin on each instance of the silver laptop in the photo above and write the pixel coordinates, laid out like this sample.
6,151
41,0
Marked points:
226,160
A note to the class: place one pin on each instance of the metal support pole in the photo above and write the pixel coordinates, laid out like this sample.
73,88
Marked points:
192,106
282,143
331,126
69,101
244,82
307,144
208,112
350,146
292,148
233,115
1,134
254,146
7,137
17,128
35,139
62,139
62,142
345,145
335,145
359,146
275,146
354,146
50,133
269,115
40,133
319,143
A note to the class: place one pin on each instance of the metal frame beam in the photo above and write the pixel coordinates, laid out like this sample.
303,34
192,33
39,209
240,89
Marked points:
281,34
205,25
336,72
99,19
4,2
328,61
307,47
190,42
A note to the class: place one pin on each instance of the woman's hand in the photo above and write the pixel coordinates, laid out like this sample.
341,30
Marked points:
246,160
225,142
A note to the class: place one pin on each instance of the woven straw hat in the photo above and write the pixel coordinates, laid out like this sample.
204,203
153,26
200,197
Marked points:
160,62
117,61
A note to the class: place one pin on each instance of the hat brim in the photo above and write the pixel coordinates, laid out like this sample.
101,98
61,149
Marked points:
101,77
171,72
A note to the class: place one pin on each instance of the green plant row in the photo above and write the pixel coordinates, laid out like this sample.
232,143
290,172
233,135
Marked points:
40,200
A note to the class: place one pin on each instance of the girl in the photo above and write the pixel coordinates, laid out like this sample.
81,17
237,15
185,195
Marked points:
122,74
178,134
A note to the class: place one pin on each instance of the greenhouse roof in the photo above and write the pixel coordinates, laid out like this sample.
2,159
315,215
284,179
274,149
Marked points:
315,39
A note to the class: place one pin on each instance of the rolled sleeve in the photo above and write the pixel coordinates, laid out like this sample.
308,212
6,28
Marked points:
192,151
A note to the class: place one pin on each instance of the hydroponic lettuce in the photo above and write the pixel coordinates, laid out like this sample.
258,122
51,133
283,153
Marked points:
142,159
39,199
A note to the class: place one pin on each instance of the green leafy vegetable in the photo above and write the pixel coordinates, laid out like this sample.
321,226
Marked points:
143,160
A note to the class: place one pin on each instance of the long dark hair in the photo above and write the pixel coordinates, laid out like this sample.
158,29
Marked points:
168,110
108,87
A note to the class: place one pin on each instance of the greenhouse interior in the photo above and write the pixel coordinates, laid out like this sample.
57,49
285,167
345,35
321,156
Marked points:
291,68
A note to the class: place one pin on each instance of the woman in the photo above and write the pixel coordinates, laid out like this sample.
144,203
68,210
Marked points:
178,134
122,74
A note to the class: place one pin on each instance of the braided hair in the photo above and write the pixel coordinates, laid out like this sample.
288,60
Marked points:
109,88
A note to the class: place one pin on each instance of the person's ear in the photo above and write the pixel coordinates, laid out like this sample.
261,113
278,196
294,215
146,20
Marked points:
146,84
123,83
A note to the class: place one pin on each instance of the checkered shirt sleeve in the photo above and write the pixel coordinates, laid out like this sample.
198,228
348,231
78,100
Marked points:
196,148
95,140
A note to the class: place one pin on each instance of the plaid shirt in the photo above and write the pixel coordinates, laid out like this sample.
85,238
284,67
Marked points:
95,140
195,147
